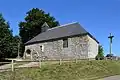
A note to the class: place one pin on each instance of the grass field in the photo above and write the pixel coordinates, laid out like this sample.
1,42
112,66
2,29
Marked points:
83,70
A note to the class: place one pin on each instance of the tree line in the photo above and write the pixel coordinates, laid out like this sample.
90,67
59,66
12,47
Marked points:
29,28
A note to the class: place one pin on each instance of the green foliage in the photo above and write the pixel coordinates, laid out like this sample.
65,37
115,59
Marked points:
5,38
83,70
28,29
100,55
16,42
33,21
8,42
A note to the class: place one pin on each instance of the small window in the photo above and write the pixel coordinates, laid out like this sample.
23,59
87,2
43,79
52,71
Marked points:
41,48
65,43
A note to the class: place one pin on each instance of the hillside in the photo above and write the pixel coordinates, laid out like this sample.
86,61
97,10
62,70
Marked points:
83,70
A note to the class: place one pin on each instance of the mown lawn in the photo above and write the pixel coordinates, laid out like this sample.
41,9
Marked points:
83,70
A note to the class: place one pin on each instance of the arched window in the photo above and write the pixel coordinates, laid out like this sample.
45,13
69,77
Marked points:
28,51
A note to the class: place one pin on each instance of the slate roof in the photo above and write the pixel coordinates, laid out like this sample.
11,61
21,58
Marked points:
62,31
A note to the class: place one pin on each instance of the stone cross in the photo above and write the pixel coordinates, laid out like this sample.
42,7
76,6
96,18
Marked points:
110,37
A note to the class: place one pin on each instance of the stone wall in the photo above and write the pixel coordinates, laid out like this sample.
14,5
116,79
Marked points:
77,48
92,48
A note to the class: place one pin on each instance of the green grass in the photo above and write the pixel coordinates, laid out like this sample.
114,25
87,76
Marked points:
83,70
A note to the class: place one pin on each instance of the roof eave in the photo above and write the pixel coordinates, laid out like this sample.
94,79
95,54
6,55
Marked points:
93,37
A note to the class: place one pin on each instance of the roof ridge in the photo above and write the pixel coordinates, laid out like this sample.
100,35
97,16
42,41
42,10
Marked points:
63,25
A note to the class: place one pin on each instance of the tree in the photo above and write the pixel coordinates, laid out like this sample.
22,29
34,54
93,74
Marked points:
15,45
100,55
8,42
5,38
33,21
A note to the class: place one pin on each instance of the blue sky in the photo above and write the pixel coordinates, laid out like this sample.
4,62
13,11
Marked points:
99,17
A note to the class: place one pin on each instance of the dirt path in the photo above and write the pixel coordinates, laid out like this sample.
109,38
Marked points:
31,64
117,77
5,67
